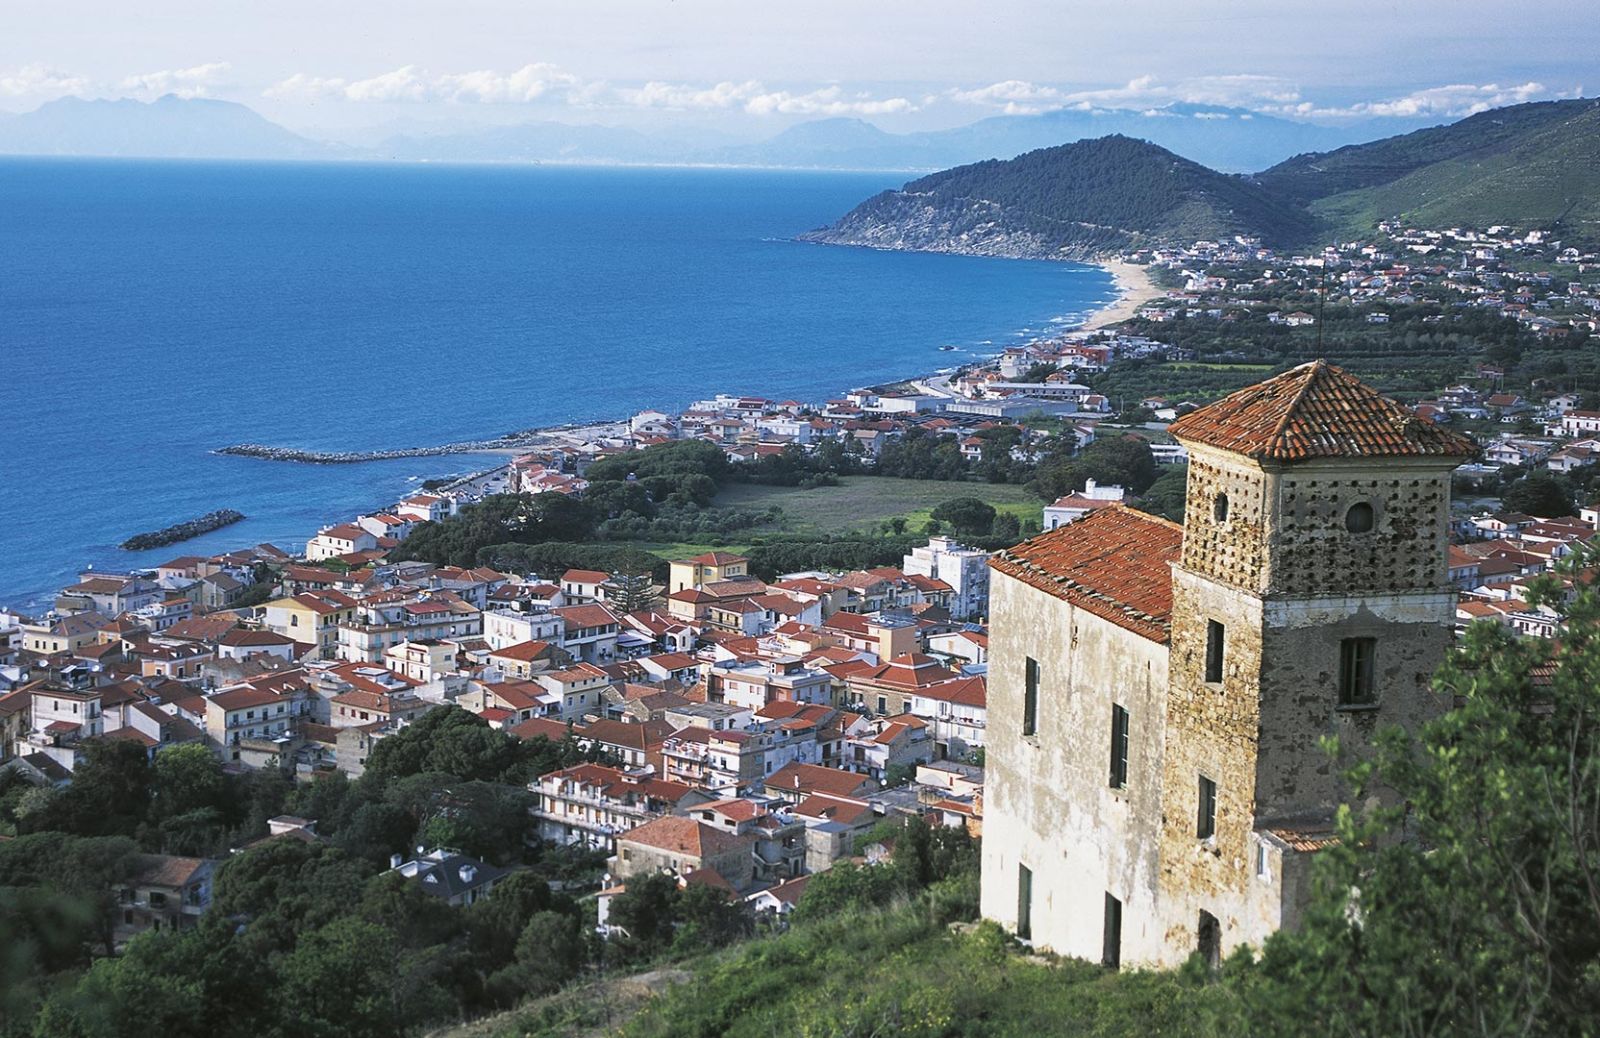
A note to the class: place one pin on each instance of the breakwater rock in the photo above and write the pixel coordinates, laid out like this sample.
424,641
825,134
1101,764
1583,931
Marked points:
308,457
183,531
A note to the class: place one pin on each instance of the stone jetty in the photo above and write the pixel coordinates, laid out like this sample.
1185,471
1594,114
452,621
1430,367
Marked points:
183,531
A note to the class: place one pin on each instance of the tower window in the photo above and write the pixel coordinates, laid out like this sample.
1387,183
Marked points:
1111,943
1030,697
1356,683
1024,902
1215,634
1359,518
1219,508
1119,747
1206,818
1210,943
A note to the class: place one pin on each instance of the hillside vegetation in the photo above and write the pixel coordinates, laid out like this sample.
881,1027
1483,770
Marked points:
1544,177
1073,201
1532,165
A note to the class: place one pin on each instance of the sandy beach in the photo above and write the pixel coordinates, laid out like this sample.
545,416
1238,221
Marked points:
1134,289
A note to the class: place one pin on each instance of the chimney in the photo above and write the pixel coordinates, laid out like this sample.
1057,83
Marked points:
468,873
395,861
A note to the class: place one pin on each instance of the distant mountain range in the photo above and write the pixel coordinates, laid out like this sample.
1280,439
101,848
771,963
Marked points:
169,127
1531,165
1224,138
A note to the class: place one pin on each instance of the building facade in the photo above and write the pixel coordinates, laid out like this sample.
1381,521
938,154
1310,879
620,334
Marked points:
1159,695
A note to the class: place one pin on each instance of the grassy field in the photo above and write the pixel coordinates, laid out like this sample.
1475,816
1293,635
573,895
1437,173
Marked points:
858,503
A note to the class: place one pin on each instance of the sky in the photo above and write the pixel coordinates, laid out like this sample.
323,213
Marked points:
747,68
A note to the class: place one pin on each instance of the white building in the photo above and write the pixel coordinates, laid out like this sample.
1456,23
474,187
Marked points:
965,569
502,628
1073,507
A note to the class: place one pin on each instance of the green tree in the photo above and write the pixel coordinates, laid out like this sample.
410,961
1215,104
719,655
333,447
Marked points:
1166,496
449,741
339,982
283,888
1006,525
647,911
109,795
1540,494
711,918
549,951
630,592
969,516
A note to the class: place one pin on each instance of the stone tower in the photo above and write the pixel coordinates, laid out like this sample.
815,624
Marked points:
1310,599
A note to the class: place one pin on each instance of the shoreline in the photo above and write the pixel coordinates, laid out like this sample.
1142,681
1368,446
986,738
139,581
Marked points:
1135,288
1132,282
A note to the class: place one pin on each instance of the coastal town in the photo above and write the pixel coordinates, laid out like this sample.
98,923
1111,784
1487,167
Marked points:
743,733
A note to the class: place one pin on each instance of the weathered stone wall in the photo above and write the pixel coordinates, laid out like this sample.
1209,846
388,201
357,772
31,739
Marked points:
1047,798
1230,550
1310,550
1300,693
1290,580
1211,731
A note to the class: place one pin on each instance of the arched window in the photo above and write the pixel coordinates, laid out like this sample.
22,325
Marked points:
1359,518
1219,508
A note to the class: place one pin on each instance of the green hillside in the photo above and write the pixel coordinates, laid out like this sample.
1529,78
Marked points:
1534,178
1306,178
1530,165
1079,199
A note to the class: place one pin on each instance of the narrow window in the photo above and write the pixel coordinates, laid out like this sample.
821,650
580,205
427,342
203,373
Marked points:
1356,671
1030,697
1206,818
1219,508
1263,863
1210,943
1111,943
1024,902
1119,747
1214,640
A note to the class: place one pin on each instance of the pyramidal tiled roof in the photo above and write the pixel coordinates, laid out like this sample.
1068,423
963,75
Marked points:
1316,411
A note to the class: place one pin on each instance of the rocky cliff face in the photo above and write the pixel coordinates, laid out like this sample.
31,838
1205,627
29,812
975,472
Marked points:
926,222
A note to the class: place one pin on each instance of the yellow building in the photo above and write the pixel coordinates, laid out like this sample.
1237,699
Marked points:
312,618
706,569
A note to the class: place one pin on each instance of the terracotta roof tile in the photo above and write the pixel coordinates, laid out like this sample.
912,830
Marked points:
1316,411
1114,563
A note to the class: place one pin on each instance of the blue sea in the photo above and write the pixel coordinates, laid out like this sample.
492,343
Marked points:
153,311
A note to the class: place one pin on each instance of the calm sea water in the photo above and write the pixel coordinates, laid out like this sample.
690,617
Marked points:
150,312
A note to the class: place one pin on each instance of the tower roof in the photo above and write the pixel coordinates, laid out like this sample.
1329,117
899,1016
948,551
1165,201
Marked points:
1316,411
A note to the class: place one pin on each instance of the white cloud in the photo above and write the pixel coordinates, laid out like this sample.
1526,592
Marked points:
1018,97
1454,100
303,87
41,81
412,83
677,95
184,82
528,83
1259,93
827,101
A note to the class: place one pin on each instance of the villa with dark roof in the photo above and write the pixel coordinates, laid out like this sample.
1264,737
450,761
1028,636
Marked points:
1159,694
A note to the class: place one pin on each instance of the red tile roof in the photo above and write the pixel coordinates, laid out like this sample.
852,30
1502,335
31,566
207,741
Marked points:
1114,563
684,836
1316,411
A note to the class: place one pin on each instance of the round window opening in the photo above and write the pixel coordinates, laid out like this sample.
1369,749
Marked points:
1219,508
1359,518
